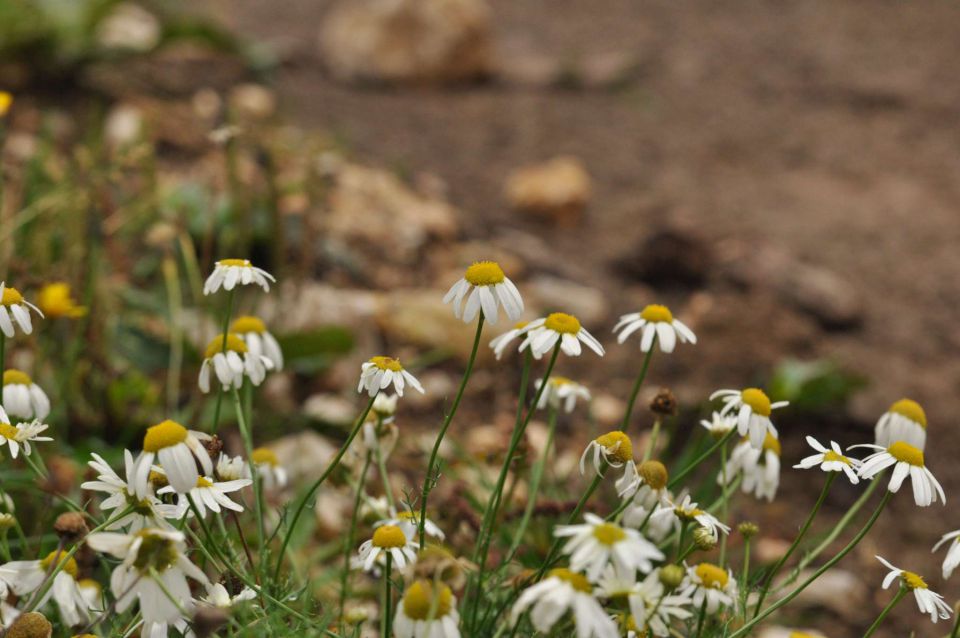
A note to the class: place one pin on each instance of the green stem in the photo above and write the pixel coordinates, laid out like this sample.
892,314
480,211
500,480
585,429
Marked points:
675,479
247,435
535,479
956,627
652,443
385,622
226,327
724,504
702,617
886,610
745,576
555,547
429,481
636,386
351,535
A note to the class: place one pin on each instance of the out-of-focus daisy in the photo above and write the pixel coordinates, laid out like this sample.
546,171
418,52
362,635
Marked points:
484,287
753,409
688,511
377,374
562,392
561,591
414,618
904,421
210,494
218,596
231,361
645,483
929,602
175,447
720,424
146,511
92,593
385,406
499,344
230,272
543,334
153,565
830,460
656,321
6,101
22,397
760,468
231,468
273,475
65,591
408,521
259,341
595,543
613,448
388,539
21,435
652,607
55,300
15,309
906,461
952,559
711,583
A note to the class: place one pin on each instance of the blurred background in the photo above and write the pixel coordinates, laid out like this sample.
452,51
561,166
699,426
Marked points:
782,175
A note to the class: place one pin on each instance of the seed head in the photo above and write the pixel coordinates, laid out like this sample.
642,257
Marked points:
70,527
748,529
30,625
664,403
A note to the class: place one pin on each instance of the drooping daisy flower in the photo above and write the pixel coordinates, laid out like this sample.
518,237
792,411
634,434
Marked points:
414,619
657,322
687,511
711,583
952,559
543,334
271,473
651,606
719,425
146,511
408,521
929,602
259,341
210,494
907,461
22,397
499,344
830,460
153,564
230,272
561,591
646,483
385,406
484,287
561,392
231,468
55,301
175,447
218,596
613,448
388,539
904,421
231,360
760,468
379,372
14,308
65,591
21,435
596,543
753,409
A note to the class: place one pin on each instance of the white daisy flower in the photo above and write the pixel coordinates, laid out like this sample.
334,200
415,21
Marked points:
646,483
414,619
385,406
65,591
688,511
613,448
499,344
543,334
379,372
175,447
753,409
408,521
929,602
231,360
388,539
15,309
21,435
230,272
906,461
952,559
711,583
561,392
596,543
830,460
653,608
209,494
760,468
146,511
231,468
218,596
484,287
17,581
272,474
719,424
149,552
561,591
259,341
904,421
22,397
656,528
656,322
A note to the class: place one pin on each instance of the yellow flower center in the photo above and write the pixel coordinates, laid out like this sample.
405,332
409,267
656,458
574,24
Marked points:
242,263
906,453
520,325
389,537
656,313
69,565
55,301
617,445
559,381
577,581
913,581
6,101
202,481
912,410
265,456
830,455
245,324
484,273
158,479
387,363
563,323
712,576
90,584
16,377
419,599
7,431
155,551
609,534
164,434
234,343
654,474
758,401
11,296
771,443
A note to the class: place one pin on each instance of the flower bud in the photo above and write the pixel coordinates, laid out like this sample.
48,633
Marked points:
671,576
748,530
7,521
664,403
704,539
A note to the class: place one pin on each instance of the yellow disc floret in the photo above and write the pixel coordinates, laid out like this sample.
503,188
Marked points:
912,410
520,325
247,323
771,443
830,455
419,600
577,581
7,431
712,576
563,323
618,446
387,363
240,263
68,565
11,296
609,534
203,481
16,377
162,435
265,456
389,537
233,343
758,401
655,313
906,453
484,273
654,474
913,581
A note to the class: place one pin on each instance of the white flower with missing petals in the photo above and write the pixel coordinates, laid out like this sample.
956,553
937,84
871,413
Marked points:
227,273
543,334
499,344
209,494
613,448
906,461
484,287
21,435
830,460
218,596
753,409
655,322
929,602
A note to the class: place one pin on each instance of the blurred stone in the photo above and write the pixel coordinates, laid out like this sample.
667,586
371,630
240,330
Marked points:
123,126
486,442
838,590
129,26
332,511
408,41
253,101
670,256
607,70
303,455
607,409
587,304
767,550
557,189
307,306
330,408
438,386
530,70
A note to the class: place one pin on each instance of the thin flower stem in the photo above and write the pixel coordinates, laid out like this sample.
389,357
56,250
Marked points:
956,627
302,505
247,436
636,386
226,327
702,617
351,535
675,479
724,505
745,577
3,337
552,554
385,610
745,630
429,481
768,580
886,610
652,443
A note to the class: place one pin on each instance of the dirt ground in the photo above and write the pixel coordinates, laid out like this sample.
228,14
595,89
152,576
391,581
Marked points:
825,130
